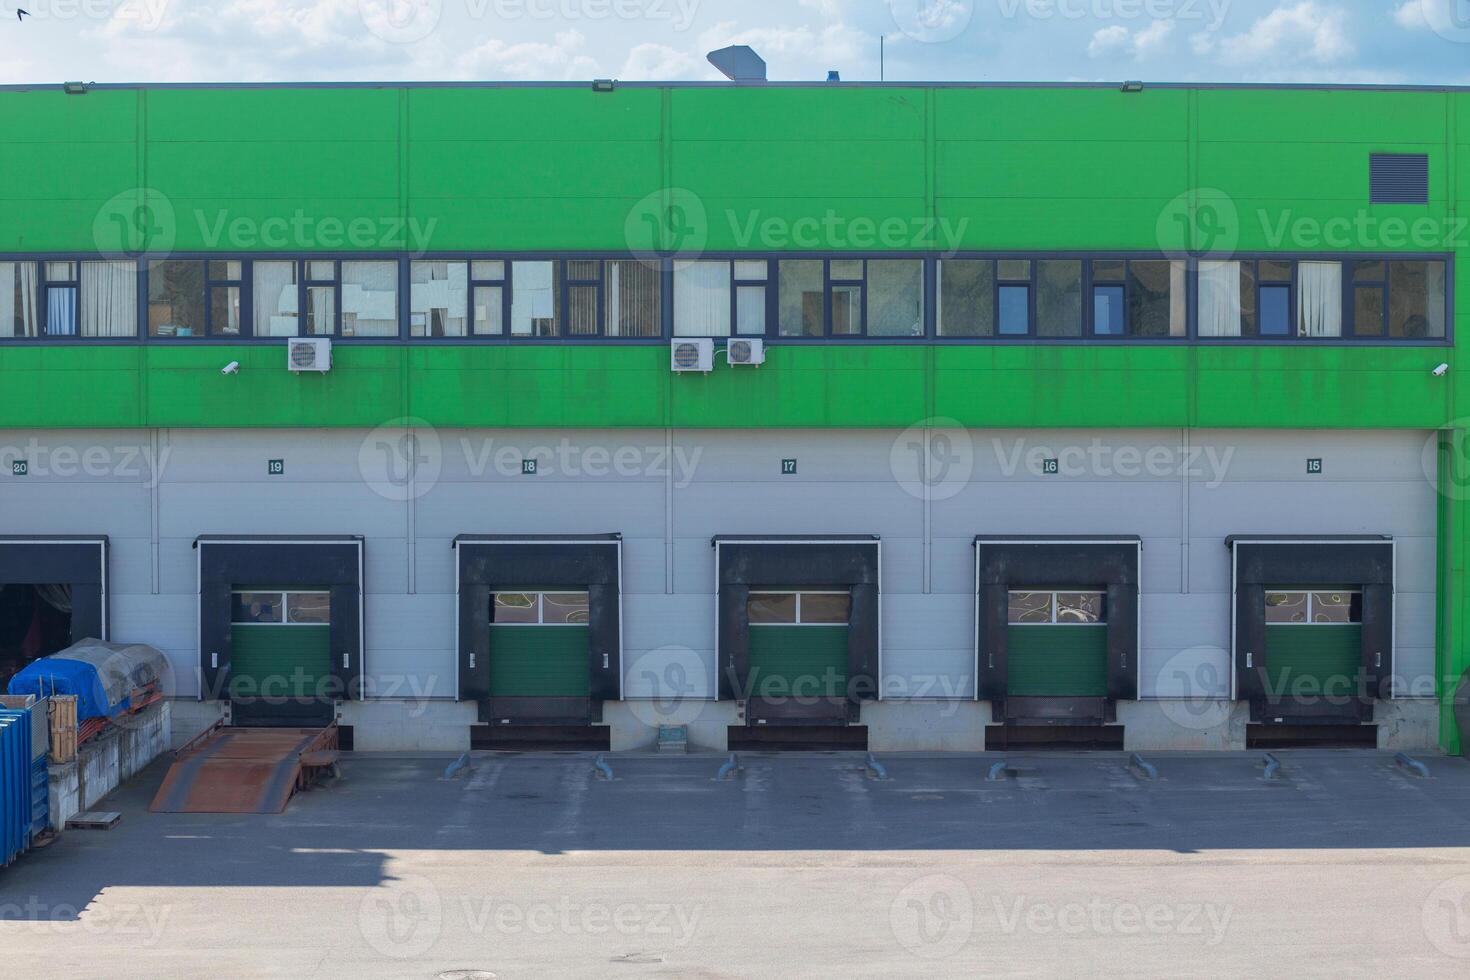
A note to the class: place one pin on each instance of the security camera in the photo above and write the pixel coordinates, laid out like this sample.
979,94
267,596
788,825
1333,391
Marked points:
1441,370
231,368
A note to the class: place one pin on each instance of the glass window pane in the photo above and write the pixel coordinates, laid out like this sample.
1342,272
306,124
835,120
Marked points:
1275,311
1275,270
225,270
564,608
1368,270
321,311
588,270
1018,270
514,607
533,299
61,271
847,311
1015,311
1153,308
1337,607
437,298
488,269
633,300
274,299
1029,607
800,297
966,298
1081,607
256,607
109,299
702,299
61,311
19,299
1107,311
752,270
224,311
896,298
846,270
582,311
1286,607
1416,296
750,311
771,607
817,607
176,298
489,311
1059,298
1249,322
370,299
1219,299
321,270
1109,270
309,607
1368,311
1319,299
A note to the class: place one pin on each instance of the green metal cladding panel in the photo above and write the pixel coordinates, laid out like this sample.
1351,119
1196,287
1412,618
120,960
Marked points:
798,661
539,661
1057,661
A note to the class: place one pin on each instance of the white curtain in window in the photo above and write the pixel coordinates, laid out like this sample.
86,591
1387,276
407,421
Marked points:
61,311
370,298
531,296
702,299
1219,299
17,299
275,299
1319,299
109,299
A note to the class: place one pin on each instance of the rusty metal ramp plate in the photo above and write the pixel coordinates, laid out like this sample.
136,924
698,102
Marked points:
240,770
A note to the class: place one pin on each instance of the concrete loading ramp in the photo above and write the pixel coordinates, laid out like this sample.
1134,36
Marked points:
245,770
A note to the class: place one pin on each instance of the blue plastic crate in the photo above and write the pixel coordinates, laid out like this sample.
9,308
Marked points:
17,786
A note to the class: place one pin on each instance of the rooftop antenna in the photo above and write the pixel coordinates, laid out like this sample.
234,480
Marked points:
880,57
739,63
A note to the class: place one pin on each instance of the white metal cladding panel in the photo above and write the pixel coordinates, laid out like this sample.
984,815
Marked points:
410,646
1184,645
1348,455
119,510
82,457
694,566
190,509
665,639
928,646
797,507
1088,455
130,569
1149,508
168,622
1396,507
576,455
240,455
754,456
536,506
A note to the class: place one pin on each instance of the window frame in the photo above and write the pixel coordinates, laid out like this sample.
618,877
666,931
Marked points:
40,259
798,593
1053,593
541,593
285,619
1310,594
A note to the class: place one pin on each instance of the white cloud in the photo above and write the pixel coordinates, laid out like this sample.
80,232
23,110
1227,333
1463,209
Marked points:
658,62
1306,30
1116,39
1107,41
531,60
1202,44
1410,15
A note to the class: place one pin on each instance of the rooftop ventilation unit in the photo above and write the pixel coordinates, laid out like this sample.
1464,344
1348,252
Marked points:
694,354
309,354
739,63
751,352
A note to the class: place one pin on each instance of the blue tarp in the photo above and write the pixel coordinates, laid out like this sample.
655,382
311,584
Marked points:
54,675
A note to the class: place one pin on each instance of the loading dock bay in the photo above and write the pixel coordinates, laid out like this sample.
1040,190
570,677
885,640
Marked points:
539,865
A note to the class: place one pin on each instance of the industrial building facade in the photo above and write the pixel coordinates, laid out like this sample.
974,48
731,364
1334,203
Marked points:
433,409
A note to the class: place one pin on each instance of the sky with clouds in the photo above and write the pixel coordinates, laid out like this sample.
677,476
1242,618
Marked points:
1371,41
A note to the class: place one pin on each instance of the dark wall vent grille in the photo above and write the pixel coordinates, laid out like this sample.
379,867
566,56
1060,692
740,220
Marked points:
1398,178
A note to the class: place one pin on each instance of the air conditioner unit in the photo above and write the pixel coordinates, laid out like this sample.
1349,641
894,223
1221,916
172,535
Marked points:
741,351
693,354
309,354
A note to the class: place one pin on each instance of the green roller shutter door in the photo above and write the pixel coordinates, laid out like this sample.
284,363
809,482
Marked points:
804,661
1057,661
540,661
280,661
1313,660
